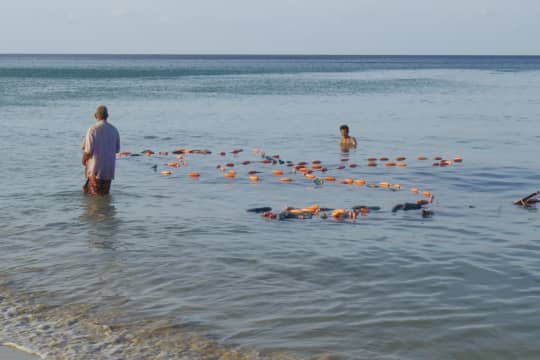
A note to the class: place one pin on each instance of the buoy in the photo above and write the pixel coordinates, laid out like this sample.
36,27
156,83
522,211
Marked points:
383,159
338,213
166,172
396,186
286,179
290,164
230,174
340,167
371,159
229,165
266,161
360,182
253,178
301,163
194,174
401,158
148,152
179,157
427,194
344,159
173,164
251,172
164,153
384,184
222,153
438,158
415,190
458,159
324,169
303,170
347,181
277,172
445,163
421,158
371,163
316,162
316,166
352,165
276,156
247,162
389,163
401,164
436,164
330,178
310,176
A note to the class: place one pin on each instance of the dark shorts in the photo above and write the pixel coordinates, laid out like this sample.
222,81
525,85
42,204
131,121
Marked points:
95,186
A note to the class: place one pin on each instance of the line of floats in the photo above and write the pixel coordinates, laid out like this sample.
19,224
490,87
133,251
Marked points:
314,171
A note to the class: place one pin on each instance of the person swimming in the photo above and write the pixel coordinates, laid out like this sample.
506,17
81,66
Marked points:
346,141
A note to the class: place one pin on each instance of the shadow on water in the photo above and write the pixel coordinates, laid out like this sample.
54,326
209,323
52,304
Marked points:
99,213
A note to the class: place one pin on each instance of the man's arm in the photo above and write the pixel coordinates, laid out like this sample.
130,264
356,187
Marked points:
85,157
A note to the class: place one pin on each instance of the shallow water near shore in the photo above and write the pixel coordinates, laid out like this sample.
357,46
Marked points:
174,267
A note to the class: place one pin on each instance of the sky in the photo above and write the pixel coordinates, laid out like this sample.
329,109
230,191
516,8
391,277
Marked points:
468,27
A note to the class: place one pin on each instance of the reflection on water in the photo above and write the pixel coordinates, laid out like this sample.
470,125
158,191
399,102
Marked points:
100,213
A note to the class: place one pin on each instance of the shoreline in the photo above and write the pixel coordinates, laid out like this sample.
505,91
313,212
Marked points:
14,352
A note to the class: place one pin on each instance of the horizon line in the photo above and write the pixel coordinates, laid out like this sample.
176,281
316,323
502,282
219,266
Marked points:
257,54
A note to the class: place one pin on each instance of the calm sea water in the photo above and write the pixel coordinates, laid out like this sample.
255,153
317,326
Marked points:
171,267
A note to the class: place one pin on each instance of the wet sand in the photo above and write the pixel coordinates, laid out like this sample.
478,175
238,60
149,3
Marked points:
8,353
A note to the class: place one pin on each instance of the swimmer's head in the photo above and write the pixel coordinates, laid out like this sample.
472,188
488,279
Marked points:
101,112
344,130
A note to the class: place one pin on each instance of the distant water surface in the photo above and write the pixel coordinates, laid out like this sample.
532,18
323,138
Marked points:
171,266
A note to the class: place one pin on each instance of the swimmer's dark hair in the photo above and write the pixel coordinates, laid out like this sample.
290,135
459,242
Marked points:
344,127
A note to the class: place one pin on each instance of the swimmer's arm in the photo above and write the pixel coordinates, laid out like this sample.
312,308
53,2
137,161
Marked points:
353,141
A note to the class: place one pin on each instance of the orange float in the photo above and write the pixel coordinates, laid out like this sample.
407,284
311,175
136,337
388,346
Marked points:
401,164
396,186
230,174
458,159
310,176
445,163
253,178
371,159
360,182
426,194
383,159
389,163
371,163
316,166
194,174
330,178
301,163
338,213
173,164
415,190
166,172
347,181
401,158
421,158
286,179
277,172
384,184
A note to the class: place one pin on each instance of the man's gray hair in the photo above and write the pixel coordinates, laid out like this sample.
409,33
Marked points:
101,112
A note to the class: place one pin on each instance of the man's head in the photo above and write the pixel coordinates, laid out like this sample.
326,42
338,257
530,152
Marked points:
101,113
344,130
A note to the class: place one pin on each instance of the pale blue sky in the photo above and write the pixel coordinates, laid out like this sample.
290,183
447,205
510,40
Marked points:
271,27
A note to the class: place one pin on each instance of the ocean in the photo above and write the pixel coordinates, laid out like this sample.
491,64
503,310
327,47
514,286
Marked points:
174,267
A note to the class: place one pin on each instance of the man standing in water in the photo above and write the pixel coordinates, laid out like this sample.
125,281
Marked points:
100,146
346,142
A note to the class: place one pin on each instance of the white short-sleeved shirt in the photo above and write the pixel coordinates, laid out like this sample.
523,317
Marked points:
102,142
